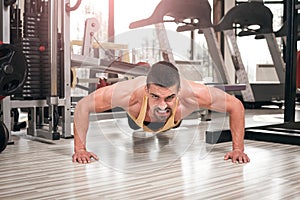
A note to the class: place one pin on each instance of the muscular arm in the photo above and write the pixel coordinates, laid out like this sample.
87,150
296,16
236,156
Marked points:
218,100
102,99
237,126
236,112
98,101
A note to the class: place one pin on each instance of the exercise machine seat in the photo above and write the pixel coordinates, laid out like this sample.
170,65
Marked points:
198,10
283,30
244,16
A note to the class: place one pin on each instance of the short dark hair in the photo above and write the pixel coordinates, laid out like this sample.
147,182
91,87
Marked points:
163,74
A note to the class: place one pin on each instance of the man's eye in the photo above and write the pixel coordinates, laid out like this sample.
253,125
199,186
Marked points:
154,96
170,98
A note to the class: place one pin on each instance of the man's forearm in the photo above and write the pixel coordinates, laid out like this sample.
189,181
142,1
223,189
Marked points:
81,123
237,127
79,141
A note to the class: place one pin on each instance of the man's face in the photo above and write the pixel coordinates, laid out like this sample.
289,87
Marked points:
161,102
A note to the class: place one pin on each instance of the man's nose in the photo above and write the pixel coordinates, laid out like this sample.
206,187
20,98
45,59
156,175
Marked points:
163,105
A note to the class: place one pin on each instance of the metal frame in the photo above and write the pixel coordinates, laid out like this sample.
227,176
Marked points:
5,37
4,23
67,70
216,55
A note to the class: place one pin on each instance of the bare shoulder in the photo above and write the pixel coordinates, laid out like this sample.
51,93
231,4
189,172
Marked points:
117,95
194,95
126,93
191,88
132,83
125,88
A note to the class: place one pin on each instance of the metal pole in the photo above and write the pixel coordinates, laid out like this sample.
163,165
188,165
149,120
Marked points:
291,49
67,70
53,25
4,23
111,21
5,38
53,99
192,42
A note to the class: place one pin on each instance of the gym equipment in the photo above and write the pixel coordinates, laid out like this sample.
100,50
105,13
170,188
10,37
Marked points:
182,12
109,58
106,63
101,82
118,67
45,94
36,47
244,17
13,69
284,135
289,131
282,32
9,2
69,8
4,136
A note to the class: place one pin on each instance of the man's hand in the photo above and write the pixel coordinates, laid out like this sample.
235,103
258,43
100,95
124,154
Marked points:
84,156
237,156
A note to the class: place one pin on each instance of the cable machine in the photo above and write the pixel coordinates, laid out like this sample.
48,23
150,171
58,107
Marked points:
45,95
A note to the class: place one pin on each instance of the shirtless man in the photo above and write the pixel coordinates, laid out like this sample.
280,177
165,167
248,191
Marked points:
158,103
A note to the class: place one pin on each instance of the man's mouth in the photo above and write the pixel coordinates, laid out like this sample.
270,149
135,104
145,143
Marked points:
163,112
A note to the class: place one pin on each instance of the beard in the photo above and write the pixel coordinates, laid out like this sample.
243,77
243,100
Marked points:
162,115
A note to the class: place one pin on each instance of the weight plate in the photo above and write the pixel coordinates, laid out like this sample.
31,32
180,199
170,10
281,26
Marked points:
3,136
13,69
24,39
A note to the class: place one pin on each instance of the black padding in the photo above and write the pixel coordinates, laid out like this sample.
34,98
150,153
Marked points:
244,15
181,11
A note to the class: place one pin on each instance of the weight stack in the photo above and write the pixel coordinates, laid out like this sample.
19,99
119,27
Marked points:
36,49
15,24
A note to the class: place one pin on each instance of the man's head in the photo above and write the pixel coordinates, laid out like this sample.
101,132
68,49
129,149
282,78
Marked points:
163,84
163,74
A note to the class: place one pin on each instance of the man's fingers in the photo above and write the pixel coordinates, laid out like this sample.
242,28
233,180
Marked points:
84,158
75,158
94,156
227,156
234,158
246,158
240,158
243,159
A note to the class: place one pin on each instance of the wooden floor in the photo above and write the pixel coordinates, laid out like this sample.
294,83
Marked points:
145,167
